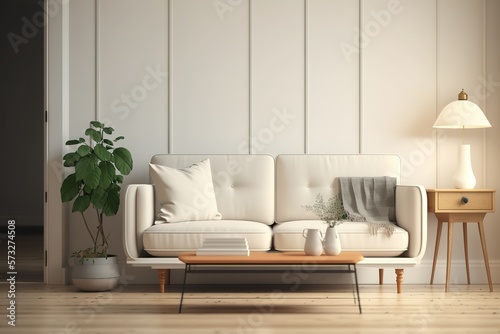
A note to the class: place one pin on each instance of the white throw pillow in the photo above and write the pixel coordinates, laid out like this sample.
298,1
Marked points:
185,194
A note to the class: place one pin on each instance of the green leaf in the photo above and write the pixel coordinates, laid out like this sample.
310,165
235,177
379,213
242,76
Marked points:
98,198
108,130
87,189
119,138
83,150
72,142
69,188
94,134
108,142
97,124
81,203
123,160
88,171
70,159
107,174
112,203
101,152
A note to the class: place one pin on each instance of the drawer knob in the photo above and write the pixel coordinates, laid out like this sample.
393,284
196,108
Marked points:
464,200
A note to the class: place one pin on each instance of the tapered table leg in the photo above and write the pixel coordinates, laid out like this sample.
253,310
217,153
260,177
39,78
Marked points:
448,256
436,249
485,253
466,249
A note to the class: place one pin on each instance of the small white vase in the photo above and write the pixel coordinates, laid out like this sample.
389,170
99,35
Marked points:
464,177
332,241
314,242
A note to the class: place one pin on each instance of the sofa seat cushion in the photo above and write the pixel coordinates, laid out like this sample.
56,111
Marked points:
172,239
354,236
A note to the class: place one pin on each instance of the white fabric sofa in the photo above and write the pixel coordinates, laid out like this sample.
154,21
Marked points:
262,198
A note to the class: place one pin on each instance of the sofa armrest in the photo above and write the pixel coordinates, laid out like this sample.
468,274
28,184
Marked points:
411,214
139,215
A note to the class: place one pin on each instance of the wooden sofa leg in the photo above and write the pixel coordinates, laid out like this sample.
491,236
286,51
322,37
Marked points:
381,276
399,279
163,277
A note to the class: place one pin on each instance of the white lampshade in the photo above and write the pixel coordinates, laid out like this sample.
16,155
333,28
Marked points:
462,114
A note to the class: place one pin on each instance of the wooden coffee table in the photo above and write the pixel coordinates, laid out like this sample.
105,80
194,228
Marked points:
279,261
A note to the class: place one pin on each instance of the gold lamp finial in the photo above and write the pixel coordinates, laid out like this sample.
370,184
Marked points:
462,95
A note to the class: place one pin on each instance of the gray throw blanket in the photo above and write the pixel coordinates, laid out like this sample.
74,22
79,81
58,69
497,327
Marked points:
370,199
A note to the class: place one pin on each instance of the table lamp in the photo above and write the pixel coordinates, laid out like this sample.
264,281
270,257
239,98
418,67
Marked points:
462,114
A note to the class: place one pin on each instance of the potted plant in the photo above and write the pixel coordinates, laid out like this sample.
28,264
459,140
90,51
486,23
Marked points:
332,213
94,185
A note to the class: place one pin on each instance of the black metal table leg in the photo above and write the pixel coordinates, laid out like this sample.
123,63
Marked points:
357,288
186,269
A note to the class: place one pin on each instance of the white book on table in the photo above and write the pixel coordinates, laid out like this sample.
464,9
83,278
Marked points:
225,243
222,251
225,240
224,246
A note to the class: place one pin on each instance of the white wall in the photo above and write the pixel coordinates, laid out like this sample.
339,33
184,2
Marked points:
291,76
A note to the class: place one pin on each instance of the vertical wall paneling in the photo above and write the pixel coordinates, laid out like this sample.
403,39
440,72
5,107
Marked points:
169,82
82,55
490,91
97,67
250,81
460,65
56,237
306,76
278,79
398,42
83,92
361,102
210,76
133,77
333,76
437,133
482,97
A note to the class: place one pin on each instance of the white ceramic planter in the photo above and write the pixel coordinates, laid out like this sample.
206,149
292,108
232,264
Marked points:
99,274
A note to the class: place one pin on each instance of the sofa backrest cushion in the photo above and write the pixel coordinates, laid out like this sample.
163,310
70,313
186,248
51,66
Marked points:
300,177
243,184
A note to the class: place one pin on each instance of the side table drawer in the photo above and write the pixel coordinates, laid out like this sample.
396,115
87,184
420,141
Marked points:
483,201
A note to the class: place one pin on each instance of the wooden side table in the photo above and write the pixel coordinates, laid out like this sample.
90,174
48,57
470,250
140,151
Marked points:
460,206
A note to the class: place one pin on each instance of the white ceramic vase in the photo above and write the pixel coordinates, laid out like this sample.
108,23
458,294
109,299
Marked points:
464,176
331,243
314,241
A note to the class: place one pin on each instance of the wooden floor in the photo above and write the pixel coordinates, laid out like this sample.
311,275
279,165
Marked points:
253,309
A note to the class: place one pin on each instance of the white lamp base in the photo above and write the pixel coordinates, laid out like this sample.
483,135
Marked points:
464,176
